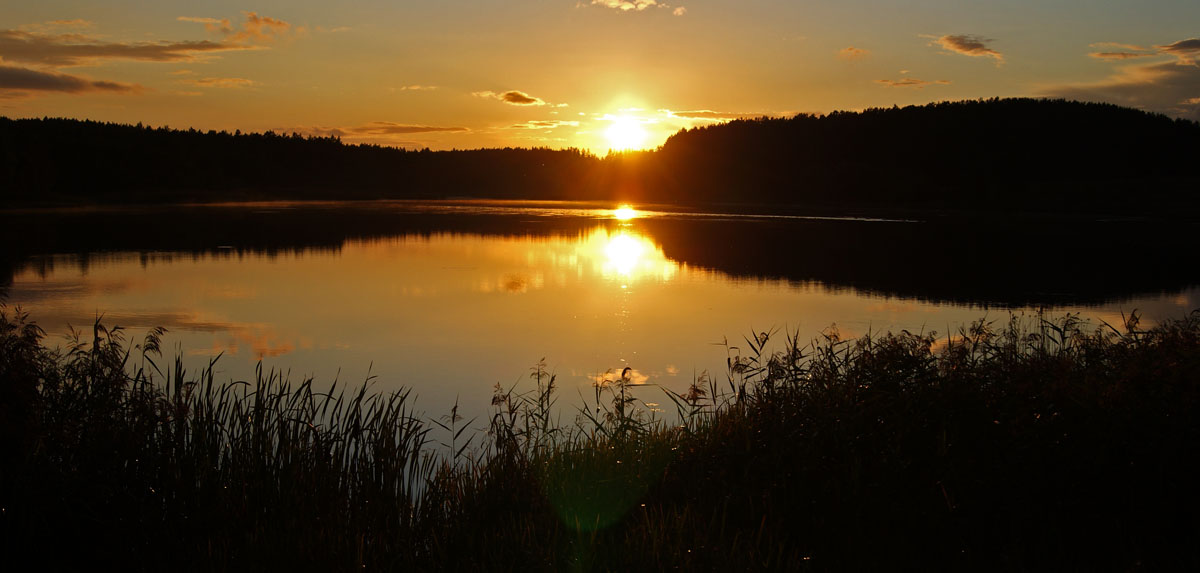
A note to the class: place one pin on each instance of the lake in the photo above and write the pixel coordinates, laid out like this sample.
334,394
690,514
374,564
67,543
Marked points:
451,298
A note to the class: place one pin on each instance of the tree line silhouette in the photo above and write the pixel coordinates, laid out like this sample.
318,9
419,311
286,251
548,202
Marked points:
998,154
992,155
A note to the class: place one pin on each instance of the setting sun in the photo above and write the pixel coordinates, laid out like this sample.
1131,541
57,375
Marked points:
625,133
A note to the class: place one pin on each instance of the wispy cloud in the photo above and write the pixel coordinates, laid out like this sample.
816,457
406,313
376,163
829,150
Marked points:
710,115
1170,87
42,50
57,26
1119,55
214,25
512,97
1119,46
1167,87
391,128
638,6
17,81
544,124
912,83
1185,50
388,133
69,50
416,88
1118,51
255,28
375,128
221,82
626,5
968,45
852,53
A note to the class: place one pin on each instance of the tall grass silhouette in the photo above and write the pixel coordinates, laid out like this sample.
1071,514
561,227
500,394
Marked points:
1023,444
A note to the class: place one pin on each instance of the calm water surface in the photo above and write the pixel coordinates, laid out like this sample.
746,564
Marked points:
452,298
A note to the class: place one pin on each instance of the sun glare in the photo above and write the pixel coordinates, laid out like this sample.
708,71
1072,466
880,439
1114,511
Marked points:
624,213
624,253
625,133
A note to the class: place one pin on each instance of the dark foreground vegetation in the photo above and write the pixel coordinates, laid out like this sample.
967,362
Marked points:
1007,155
1029,445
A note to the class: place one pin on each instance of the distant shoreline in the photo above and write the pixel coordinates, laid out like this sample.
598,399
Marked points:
1005,156
1166,213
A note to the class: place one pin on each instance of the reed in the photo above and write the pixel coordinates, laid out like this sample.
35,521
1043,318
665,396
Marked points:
1024,444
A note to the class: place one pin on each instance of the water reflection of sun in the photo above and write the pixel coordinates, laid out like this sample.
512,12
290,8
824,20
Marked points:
623,253
625,213
605,254
626,255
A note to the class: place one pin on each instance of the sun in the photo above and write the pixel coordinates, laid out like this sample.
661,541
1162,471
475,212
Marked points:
624,213
625,133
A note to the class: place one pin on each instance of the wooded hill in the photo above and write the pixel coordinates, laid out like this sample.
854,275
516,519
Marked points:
992,155
999,154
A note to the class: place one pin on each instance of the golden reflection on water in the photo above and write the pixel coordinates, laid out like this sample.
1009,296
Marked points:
625,255
625,213
452,313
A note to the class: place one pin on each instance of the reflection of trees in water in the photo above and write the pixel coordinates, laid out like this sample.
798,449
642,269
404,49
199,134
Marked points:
992,261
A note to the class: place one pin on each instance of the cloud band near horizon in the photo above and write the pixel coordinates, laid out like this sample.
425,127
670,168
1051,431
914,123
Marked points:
20,80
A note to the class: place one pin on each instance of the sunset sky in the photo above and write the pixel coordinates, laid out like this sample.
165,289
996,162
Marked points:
595,74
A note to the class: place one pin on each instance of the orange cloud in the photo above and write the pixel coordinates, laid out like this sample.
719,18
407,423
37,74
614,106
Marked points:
852,53
17,81
637,6
969,45
214,25
911,83
256,28
1118,51
708,114
1168,87
1118,45
261,27
626,5
544,124
1118,55
66,50
387,127
512,97
1185,50
1162,87
376,132
221,82
57,25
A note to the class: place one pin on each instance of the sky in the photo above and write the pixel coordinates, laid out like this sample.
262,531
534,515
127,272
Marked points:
590,74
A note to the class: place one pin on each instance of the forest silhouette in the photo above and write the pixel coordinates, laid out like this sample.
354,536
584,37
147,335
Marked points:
997,155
